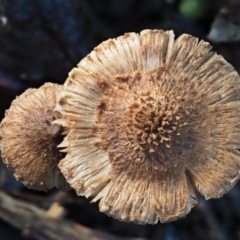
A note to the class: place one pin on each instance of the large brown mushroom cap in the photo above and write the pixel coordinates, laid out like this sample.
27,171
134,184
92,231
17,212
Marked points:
29,139
151,119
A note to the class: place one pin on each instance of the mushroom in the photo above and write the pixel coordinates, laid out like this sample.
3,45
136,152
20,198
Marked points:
151,120
29,139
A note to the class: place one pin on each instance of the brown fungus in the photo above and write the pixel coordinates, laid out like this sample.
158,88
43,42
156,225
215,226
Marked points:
151,119
29,139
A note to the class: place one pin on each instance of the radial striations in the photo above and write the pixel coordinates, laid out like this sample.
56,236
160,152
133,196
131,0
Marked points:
151,120
29,139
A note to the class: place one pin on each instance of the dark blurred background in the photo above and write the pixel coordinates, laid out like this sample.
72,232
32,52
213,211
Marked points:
42,40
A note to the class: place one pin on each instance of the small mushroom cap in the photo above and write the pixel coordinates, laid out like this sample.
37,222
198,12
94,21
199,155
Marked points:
151,119
29,139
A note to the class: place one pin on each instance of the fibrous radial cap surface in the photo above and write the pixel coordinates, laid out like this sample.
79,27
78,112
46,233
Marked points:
151,119
29,139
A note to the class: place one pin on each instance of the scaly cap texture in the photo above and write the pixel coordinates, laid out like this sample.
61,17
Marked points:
29,139
151,119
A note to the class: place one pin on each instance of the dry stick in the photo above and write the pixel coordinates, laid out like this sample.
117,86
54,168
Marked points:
60,197
41,224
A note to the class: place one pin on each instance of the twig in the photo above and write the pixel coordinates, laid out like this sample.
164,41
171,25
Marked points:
60,197
41,224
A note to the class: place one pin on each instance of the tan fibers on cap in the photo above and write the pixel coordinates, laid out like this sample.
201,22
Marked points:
29,139
151,119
